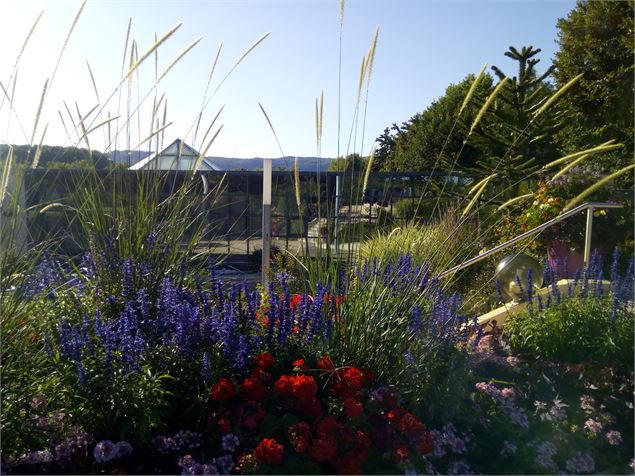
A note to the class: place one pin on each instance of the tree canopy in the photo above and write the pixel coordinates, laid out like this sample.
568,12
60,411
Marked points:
596,40
432,136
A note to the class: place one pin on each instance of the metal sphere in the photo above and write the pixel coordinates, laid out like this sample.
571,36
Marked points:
518,265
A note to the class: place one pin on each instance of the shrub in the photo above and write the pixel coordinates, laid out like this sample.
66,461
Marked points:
585,326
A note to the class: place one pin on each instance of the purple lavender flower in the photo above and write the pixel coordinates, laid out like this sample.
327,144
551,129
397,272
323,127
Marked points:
230,442
545,453
459,467
225,464
580,463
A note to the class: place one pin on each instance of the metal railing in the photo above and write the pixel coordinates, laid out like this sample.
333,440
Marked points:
589,207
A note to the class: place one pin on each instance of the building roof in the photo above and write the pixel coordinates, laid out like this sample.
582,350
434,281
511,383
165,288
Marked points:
177,156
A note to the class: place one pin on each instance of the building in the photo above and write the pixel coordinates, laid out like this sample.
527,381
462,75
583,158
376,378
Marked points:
177,156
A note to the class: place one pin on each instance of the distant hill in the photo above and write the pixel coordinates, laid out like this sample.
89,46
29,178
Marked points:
306,164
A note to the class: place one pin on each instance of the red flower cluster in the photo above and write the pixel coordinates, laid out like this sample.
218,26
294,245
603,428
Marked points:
223,390
269,451
330,422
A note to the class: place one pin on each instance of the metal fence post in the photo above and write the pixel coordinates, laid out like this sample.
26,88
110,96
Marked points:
266,220
587,236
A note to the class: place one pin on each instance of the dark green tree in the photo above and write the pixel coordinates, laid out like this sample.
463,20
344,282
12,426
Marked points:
351,161
433,138
596,40
518,142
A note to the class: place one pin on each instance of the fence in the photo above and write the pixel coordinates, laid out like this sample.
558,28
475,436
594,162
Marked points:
235,220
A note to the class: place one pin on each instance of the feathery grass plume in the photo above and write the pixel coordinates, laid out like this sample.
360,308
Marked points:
477,194
92,80
68,37
362,75
371,56
555,96
178,58
604,147
273,131
152,49
486,105
319,115
39,111
154,133
479,184
52,206
515,200
209,81
341,13
6,173
11,108
595,186
470,93
206,148
38,150
242,57
24,44
70,116
109,129
68,136
570,165
296,180
369,166
212,124
83,128
164,122
102,124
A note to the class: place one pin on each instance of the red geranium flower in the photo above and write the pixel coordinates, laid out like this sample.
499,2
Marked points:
284,385
265,360
224,425
304,387
410,425
325,364
352,408
323,450
223,390
253,389
350,383
269,451
298,365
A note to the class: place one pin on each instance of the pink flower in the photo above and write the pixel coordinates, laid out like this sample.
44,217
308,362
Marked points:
592,425
508,392
614,437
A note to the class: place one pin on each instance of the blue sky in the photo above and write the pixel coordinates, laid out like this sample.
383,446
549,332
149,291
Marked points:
423,46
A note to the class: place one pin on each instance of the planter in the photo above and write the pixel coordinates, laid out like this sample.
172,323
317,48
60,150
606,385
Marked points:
564,260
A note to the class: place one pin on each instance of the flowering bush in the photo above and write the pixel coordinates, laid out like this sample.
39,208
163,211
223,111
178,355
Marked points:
586,325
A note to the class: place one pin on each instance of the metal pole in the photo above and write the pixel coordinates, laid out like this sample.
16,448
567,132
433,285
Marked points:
338,186
587,236
266,220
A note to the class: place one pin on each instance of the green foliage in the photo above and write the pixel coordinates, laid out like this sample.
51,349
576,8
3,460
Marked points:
518,141
61,157
596,39
577,330
433,134
439,245
351,162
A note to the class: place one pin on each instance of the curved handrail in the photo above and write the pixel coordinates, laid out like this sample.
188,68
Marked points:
589,206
